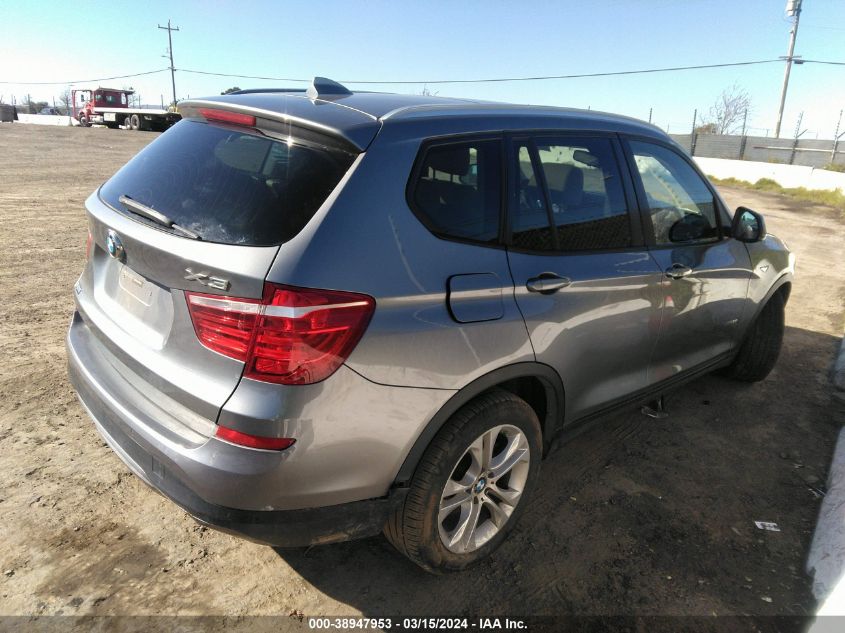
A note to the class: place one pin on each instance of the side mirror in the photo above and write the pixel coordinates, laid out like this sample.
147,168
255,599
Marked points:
748,225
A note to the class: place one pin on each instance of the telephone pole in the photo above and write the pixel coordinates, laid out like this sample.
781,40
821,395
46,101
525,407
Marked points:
793,9
170,30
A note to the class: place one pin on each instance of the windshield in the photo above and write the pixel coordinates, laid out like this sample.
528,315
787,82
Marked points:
230,186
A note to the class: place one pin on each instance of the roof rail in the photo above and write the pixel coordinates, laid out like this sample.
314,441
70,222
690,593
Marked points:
324,87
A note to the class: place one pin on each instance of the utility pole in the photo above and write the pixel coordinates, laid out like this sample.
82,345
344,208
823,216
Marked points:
170,30
793,9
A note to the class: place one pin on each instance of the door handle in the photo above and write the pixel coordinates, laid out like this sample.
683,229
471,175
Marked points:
547,283
678,271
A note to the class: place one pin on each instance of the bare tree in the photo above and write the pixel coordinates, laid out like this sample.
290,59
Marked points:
728,113
66,100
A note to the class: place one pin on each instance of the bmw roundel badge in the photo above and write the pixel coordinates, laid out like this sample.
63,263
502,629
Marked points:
114,245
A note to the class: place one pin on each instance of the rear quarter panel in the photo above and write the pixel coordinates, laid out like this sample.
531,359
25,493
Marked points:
365,238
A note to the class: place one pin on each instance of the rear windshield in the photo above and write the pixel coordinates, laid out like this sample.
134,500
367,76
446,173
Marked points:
228,185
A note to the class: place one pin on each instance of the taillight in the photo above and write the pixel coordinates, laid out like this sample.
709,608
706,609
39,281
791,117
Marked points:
88,244
293,336
225,116
254,441
224,325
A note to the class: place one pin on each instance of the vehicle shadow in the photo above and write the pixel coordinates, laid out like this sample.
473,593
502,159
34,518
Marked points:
642,516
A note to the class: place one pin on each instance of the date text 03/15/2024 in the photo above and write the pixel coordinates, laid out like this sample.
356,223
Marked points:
484,624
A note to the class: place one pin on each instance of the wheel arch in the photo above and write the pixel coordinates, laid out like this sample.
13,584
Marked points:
538,384
785,287
783,284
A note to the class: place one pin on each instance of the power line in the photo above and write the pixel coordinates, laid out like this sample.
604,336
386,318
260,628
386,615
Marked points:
203,72
429,81
82,81
818,61
496,79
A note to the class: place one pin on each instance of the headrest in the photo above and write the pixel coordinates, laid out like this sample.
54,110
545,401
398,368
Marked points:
573,188
452,160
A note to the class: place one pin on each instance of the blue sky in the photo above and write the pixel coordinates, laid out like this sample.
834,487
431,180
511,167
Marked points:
48,40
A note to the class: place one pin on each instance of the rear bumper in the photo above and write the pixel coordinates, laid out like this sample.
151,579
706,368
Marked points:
207,476
281,528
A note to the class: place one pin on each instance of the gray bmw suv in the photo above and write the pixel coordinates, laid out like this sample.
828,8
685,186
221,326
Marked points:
310,316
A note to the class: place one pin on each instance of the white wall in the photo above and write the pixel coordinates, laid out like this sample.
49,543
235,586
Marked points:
784,175
826,560
45,119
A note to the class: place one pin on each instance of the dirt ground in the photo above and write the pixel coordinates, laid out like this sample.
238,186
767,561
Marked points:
635,516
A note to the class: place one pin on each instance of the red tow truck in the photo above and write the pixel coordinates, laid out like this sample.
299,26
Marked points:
110,107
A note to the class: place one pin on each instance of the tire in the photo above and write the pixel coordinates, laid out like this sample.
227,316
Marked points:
134,122
83,120
760,349
433,538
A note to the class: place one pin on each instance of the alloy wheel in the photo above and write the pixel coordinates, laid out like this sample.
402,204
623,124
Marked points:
484,489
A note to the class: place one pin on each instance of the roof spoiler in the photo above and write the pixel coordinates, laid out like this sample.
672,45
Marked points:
323,87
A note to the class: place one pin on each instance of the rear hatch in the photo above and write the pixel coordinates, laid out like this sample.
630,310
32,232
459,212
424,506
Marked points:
204,209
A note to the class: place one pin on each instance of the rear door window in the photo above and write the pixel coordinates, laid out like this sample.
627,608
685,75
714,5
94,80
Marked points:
569,196
229,185
457,192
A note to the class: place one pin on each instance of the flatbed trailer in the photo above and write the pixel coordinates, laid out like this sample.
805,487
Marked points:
110,107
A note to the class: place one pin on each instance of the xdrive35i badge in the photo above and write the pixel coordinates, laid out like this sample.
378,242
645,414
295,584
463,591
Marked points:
206,279
114,246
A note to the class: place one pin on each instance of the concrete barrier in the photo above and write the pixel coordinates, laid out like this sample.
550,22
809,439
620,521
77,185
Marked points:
826,561
784,175
45,119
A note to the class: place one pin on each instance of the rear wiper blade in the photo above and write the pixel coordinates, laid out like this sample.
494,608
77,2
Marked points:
156,216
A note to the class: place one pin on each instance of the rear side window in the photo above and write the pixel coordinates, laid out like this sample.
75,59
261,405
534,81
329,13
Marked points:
569,196
457,192
228,185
